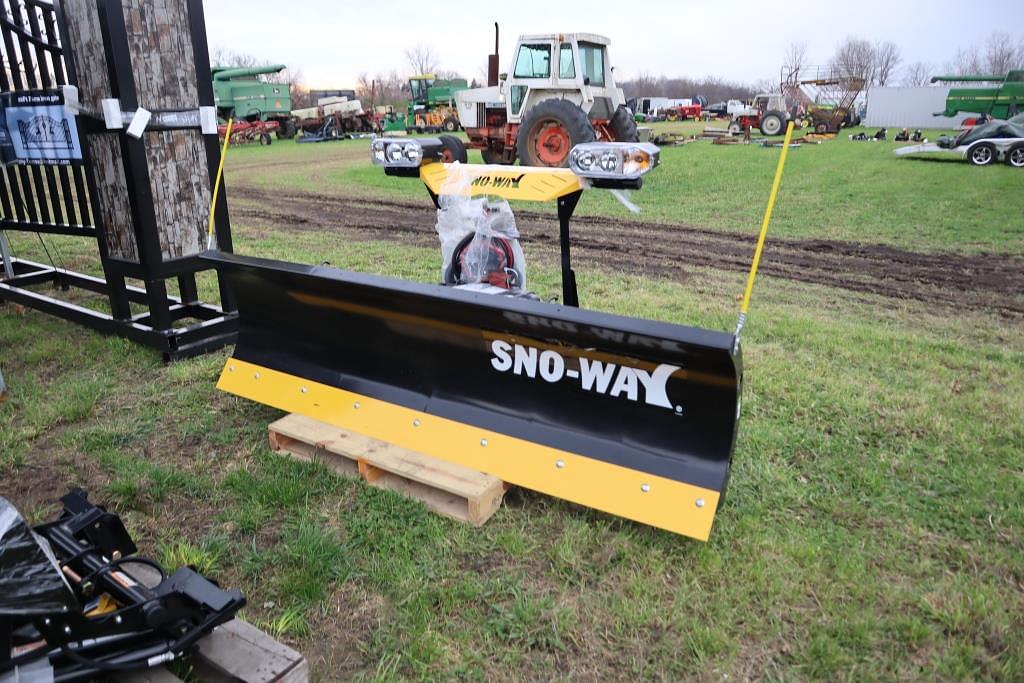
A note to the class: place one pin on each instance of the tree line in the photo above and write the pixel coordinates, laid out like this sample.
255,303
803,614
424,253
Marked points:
878,63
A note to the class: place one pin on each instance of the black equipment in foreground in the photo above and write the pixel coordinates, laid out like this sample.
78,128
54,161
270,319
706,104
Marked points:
75,603
634,417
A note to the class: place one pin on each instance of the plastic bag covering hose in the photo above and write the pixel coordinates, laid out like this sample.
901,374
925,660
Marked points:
30,581
493,254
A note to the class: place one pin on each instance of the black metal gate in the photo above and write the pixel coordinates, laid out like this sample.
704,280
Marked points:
62,199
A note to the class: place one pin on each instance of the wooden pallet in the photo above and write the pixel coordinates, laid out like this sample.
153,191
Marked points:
452,490
233,652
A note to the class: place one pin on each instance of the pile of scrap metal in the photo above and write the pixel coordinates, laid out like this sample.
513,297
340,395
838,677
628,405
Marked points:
668,139
77,604
335,118
981,145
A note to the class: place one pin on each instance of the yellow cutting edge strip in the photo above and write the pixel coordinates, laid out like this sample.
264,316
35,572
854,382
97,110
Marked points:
764,223
216,184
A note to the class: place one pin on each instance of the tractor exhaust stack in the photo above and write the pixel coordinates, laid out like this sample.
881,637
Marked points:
492,61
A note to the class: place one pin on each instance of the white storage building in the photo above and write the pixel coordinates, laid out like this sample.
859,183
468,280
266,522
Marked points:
910,107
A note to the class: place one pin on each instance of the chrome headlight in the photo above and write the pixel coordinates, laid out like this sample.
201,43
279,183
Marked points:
405,152
614,160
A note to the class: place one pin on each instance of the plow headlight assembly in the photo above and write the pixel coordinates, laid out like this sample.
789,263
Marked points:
609,163
405,155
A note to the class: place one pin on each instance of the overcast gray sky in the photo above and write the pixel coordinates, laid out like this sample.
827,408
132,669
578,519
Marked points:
331,42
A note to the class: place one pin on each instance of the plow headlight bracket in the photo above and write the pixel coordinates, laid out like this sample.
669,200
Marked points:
614,164
404,156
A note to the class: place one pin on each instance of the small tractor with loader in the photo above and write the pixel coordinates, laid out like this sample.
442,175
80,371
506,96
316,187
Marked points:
559,93
432,104
266,108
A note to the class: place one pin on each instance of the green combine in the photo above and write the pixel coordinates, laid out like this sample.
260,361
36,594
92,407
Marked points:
999,102
240,95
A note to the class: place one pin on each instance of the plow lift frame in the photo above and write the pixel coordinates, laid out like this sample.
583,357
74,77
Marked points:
630,416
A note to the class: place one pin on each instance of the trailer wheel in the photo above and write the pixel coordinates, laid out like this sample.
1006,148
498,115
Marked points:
623,125
454,150
982,154
1015,156
549,130
773,123
265,139
450,124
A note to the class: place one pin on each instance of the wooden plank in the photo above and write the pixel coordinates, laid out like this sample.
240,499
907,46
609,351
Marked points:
450,489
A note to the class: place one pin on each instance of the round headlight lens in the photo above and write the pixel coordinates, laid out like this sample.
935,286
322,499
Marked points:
413,152
394,152
584,160
377,152
609,162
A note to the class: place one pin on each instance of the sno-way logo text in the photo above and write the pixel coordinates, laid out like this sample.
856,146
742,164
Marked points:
609,379
498,181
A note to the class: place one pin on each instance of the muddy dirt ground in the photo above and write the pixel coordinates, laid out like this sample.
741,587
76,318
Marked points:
992,282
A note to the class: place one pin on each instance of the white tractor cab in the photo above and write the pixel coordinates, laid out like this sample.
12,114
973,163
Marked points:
767,111
560,93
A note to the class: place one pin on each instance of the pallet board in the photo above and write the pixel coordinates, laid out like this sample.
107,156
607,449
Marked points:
235,652
452,490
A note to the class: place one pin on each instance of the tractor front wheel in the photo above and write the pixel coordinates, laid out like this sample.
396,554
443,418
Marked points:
454,150
735,128
549,131
492,157
623,125
450,124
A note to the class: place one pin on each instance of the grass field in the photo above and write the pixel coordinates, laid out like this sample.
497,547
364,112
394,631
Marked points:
874,524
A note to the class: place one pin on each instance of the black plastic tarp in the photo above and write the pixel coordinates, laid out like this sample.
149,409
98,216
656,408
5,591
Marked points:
988,131
30,582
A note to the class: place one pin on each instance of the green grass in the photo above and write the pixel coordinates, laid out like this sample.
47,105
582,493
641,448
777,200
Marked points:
844,190
873,528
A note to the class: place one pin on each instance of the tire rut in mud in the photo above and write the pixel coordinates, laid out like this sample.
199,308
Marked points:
993,282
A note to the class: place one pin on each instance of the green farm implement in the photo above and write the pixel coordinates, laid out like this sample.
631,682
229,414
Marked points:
1003,100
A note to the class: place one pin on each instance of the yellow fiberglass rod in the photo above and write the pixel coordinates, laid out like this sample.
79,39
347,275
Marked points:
216,184
764,230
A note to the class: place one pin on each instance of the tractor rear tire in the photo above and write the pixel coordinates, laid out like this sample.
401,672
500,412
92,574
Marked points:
450,124
623,125
982,154
454,150
550,129
773,123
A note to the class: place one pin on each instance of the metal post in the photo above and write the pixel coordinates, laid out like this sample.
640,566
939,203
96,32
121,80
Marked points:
566,205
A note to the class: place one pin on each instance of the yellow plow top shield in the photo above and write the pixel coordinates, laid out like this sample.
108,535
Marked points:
531,184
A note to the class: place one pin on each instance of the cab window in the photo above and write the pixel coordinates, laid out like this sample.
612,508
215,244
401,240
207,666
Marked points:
592,63
533,61
566,68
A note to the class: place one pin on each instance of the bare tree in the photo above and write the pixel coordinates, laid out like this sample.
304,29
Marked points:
854,58
967,61
887,58
794,61
917,74
1002,54
422,59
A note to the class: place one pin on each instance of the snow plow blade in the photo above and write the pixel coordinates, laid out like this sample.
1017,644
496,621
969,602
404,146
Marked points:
633,417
